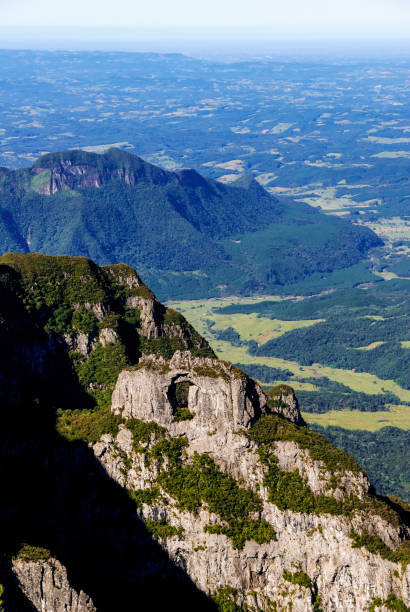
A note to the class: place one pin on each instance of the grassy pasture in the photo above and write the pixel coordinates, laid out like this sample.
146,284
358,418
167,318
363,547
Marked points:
370,346
101,148
392,229
200,313
398,416
261,329
392,154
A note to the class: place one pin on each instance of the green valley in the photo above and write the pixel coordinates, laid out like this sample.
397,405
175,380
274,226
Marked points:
330,348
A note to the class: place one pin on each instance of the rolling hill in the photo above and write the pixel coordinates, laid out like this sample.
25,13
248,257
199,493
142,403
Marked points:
190,236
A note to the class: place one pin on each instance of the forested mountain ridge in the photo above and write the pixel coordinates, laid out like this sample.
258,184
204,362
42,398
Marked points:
189,236
155,473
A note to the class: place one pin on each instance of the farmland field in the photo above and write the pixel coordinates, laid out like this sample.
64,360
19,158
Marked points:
366,415
397,416
333,133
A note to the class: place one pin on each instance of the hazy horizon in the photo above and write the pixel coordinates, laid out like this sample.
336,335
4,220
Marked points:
211,27
217,42
366,16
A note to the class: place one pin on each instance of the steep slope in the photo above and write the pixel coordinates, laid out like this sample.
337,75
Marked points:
150,473
187,235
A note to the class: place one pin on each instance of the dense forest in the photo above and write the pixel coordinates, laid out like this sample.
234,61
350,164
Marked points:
188,236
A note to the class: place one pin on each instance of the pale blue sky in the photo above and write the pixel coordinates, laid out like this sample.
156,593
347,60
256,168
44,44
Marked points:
367,17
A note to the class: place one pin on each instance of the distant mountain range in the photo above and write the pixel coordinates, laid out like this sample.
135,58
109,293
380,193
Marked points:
190,236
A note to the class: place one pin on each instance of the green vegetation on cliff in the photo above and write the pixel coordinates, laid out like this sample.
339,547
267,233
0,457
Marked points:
271,428
375,545
201,482
161,529
49,281
300,578
290,491
87,425
33,553
392,603
198,483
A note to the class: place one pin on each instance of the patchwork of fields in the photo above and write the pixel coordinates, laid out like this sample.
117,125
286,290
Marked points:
334,134
367,415
207,317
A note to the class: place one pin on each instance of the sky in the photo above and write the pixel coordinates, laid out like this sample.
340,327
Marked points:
219,17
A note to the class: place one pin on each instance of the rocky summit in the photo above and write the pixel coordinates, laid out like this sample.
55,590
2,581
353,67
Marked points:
140,472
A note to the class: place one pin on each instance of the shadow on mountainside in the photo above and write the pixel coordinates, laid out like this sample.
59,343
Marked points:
56,495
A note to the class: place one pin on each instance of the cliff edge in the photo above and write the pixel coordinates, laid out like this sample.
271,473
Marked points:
155,471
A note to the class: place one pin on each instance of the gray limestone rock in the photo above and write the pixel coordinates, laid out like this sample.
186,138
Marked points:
224,404
47,587
220,397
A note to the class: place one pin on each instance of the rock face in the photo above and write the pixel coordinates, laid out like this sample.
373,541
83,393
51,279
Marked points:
220,397
165,471
318,547
283,398
46,585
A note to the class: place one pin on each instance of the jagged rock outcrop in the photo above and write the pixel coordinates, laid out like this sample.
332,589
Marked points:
290,457
286,404
46,586
208,482
83,342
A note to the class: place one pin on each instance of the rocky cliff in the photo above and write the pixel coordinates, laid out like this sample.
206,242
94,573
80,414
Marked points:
155,474
44,582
